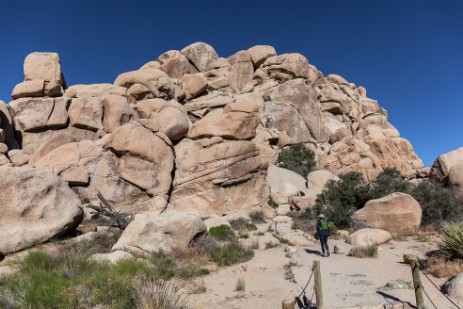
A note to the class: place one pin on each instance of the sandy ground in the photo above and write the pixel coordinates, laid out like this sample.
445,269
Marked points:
348,282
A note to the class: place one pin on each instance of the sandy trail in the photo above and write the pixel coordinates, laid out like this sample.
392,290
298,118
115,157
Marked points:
348,282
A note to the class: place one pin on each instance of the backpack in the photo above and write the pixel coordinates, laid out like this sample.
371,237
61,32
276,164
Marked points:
324,225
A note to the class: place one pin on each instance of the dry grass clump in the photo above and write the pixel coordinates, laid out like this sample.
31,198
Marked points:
370,251
153,293
440,267
240,285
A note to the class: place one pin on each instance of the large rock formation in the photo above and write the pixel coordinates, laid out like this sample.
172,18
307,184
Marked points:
35,206
193,131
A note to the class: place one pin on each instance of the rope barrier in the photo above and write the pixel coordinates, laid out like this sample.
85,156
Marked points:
310,278
305,303
448,298
425,293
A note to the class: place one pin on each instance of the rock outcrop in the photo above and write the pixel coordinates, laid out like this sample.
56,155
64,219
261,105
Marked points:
196,132
35,206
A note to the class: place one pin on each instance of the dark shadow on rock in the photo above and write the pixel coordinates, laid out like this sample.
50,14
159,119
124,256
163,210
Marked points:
393,298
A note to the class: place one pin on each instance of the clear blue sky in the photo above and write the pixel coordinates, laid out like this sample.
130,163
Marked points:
407,54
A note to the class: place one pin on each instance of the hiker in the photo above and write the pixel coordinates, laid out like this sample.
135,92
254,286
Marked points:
323,231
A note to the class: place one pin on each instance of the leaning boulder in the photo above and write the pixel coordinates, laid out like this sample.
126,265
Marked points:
149,233
441,168
200,54
368,237
35,207
455,179
396,212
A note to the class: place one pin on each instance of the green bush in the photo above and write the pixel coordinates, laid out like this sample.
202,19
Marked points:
222,232
438,204
297,158
164,266
272,203
44,282
387,182
452,241
231,253
340,199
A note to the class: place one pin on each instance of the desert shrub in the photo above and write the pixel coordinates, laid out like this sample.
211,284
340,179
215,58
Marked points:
238,224
154,293
251,226
284,241
441,267
298,159
164,265
387,182
302,220
272,203
222,232
188,271
296,225
85,200
340,199
438,204
271,244
289,275
231,253
451,244
370,251
71,282
205,243
257,216
240,285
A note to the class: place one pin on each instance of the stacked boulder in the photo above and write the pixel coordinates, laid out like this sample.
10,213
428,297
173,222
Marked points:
196,132
448,171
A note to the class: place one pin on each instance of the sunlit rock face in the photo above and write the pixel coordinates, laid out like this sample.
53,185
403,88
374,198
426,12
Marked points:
196,132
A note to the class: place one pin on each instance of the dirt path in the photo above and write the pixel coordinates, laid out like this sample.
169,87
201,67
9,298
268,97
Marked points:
348,282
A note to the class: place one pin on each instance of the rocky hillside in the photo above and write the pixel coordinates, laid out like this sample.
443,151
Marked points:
192,131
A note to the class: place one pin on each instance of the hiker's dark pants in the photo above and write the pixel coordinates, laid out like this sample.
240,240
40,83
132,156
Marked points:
324,244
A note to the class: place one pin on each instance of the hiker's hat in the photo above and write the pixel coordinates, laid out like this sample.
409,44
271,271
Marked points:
321,216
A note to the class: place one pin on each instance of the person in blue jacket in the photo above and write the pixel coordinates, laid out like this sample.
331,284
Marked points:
323,231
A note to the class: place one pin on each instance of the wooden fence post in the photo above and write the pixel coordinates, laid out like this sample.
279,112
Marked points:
413,261
318,284
288,304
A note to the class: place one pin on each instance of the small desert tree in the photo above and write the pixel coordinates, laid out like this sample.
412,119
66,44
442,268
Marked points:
438,204
340,199
387,182
298,159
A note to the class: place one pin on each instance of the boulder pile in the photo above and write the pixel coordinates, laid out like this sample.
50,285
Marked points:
194,132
